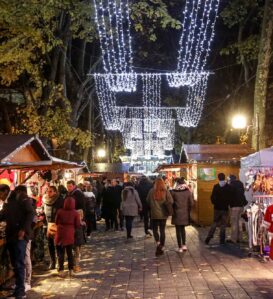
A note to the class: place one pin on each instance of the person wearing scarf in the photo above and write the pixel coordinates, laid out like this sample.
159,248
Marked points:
52,202
182,205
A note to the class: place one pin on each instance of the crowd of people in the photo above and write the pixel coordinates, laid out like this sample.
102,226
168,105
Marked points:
70,214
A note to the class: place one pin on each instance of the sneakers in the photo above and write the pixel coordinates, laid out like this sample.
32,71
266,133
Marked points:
77,269
52,266
179,250
27,287
184,248
159,250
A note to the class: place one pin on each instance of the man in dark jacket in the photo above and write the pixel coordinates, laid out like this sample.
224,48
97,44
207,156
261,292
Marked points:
52,202
77,194
116,193
18,214
143,189
220,198
238,201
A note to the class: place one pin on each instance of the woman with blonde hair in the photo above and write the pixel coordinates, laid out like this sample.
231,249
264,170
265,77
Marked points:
158,199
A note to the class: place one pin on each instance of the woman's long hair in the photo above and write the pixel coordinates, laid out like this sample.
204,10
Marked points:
160,189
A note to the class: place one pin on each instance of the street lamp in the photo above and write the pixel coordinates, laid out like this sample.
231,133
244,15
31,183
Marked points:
239,122
101,153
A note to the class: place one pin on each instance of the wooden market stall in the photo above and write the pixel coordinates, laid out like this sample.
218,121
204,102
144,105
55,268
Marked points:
21,158
204,164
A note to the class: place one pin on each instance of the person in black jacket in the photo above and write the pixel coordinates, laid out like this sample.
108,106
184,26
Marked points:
77,194
238,201
221,196
143,189
18,214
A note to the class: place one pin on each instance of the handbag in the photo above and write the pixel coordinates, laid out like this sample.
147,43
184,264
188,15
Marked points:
51,228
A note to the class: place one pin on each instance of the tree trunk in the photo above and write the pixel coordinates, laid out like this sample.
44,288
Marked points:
262,75
242,57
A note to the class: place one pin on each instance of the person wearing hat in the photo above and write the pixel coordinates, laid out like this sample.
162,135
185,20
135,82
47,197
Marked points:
237,203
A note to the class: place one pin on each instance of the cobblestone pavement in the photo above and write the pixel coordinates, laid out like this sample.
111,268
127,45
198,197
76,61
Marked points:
115,268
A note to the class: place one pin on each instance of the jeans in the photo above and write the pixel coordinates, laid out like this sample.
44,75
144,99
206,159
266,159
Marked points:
121,218
220,219
147,220
61,251
111,222
17,251
129,224
91,223
161,225
235,216
51,249
28,264
180,235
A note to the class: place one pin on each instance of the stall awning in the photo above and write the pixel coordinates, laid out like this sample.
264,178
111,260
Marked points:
263,158
53,164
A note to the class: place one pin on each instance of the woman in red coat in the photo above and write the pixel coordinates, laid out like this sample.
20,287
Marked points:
67,220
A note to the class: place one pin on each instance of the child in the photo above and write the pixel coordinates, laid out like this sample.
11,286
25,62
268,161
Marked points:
268,224
79,241
67,220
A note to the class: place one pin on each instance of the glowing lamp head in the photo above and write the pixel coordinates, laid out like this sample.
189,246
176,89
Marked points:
101,153
239,122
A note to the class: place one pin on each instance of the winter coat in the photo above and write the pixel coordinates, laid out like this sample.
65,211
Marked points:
90,203
78,195
182,204
51,205
19,214
67,220
157,207
239,199
109,205
221,197
143,190
131,203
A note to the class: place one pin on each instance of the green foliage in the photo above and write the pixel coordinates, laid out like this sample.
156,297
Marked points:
30,32
51,118
148,16
236,11
249,48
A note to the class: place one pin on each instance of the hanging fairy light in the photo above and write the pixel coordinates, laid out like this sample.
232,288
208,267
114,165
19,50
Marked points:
116,43
195,42
150,129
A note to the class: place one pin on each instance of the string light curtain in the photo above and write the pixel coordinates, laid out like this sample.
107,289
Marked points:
114,25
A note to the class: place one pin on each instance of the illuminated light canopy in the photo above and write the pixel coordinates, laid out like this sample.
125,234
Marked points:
195,42
151,128
113,23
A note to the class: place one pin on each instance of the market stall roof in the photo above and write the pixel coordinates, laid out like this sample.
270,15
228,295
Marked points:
12,145
216,153
52,164
263,158
29,153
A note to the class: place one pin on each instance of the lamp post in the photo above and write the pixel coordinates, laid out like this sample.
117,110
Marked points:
239,122
101,153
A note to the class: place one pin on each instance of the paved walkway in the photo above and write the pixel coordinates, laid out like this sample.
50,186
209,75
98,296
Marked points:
116,268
